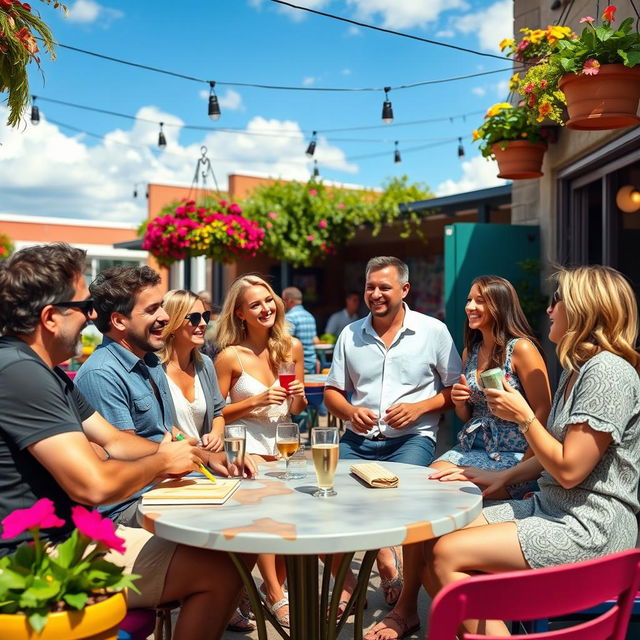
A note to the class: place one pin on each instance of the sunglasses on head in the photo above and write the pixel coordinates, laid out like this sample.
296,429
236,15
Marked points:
86,306
194,318
555,298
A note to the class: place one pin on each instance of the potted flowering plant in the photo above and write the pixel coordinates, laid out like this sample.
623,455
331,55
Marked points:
599,73
511,136
216,230
6,246
18,47
47,591
539,91
535,43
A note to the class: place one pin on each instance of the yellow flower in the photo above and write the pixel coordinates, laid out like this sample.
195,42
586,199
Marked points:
513,82
536,36
507,42
476,135
497,108
557,32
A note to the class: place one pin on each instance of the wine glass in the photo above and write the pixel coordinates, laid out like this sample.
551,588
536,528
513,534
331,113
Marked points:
287,441
324,451
234,446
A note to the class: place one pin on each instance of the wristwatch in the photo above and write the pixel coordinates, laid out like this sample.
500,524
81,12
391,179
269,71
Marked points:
524,426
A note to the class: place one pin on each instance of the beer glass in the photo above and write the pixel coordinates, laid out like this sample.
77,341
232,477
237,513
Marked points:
324,451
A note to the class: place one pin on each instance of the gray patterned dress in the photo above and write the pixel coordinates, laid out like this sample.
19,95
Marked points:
598,516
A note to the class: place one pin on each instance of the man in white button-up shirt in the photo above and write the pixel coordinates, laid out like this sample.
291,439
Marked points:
399,366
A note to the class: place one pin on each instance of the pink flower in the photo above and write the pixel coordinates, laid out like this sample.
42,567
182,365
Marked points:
609,13
529,88
234,208
273,215
311,237
591,67
269,225
588,19
322,224
92,525
330,195
41,515
313,192
341,205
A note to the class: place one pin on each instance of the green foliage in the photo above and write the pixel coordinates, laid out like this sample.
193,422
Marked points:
18,47
504,122
6,246
539,88
306,222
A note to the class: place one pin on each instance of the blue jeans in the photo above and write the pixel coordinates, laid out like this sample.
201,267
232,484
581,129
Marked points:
410,449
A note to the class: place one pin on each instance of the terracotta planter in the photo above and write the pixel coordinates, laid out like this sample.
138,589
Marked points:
608,100
520,159
96,622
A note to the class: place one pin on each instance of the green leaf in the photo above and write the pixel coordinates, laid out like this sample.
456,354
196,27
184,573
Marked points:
603,34
630,58
67,550
38,619
76,600
10,579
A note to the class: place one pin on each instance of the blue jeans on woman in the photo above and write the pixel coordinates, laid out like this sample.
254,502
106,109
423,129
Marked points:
410,449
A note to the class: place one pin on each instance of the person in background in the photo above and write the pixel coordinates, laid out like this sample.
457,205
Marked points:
340,319
496,334
589,454
399,365
303,326
253,341
47,429
209,346
197,401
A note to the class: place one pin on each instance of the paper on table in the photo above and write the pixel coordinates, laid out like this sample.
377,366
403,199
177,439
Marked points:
190,491
375,475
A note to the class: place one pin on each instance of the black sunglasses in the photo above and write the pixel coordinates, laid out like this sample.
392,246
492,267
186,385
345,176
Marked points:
555,298
194,318
86,306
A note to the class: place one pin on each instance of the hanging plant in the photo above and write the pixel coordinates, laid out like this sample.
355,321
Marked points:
18,47
215,230
6,246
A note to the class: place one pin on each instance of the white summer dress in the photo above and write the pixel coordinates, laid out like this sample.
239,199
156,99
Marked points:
261,422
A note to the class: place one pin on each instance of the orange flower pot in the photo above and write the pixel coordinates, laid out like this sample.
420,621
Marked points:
520,159
608,100
96,622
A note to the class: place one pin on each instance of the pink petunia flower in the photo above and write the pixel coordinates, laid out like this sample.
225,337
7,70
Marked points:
234,208
41,515
588,19
313,192
341,205
591,67
273,215
92,525
322,224
311,237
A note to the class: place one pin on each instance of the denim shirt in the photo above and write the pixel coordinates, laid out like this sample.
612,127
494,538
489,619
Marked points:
116,382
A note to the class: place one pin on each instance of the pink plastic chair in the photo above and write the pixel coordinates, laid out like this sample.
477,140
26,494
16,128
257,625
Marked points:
544,593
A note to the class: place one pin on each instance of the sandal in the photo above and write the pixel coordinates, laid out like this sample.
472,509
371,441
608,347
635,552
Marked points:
393,587
402,631
282,618
239,623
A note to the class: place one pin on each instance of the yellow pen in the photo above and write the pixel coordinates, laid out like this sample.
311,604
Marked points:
203,470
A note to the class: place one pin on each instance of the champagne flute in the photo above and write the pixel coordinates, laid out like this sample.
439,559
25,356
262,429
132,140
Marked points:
287,441
324,451
234,446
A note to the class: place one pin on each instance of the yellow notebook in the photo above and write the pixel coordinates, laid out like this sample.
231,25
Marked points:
190,491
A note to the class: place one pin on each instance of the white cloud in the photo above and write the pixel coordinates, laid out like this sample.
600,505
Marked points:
298,14
500,89
400,14
89,11
354,31
478,91
477,173
491,25
346,72
308,81
445,33
45,171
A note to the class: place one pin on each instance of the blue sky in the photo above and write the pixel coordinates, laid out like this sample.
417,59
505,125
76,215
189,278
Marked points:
52,170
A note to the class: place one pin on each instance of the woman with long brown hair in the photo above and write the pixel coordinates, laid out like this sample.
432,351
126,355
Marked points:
253,340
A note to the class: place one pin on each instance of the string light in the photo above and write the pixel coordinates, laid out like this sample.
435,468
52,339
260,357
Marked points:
460,148
311,149
396,155
35,112
135,190
387,109
162,141
316,171
214,106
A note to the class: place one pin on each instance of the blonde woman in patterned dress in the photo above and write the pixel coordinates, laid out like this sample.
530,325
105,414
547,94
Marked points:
589,457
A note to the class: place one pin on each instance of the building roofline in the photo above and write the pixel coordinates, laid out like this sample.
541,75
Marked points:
456,201
71,222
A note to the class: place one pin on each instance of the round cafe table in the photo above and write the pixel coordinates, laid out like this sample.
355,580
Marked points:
270,515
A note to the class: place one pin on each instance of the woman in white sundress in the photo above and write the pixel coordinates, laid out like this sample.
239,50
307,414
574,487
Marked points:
587,501
253,342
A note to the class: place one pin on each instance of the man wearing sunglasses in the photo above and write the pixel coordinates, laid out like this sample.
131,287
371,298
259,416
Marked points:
123,378
47,427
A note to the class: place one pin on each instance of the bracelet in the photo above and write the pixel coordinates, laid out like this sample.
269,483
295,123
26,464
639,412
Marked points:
524,426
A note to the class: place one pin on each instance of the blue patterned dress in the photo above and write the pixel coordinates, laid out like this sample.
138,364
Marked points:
486,441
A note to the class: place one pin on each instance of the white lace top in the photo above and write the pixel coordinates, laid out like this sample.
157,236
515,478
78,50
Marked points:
190,415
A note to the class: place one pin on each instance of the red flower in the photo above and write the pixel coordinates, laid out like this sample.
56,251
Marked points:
41,516
591,67
609,13
322,224
28,41
6,4
92,525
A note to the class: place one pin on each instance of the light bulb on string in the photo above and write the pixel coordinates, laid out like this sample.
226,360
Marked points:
35,111
311,149
162,141
396,154
316,171
387,108
214,105
460,148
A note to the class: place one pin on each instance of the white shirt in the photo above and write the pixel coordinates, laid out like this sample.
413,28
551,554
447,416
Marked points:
420,362
338,321
190,415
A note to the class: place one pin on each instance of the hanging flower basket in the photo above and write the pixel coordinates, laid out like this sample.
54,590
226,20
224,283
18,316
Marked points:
97,621
519,159
608,100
